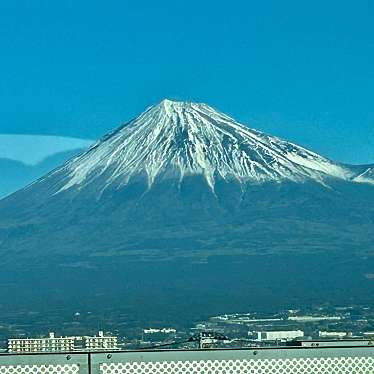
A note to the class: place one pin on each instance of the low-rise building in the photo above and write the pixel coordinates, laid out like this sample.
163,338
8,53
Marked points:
279,335
164,330
303,319
333,334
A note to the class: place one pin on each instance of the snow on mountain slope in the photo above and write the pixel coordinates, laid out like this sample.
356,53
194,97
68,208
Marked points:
367,176
183,138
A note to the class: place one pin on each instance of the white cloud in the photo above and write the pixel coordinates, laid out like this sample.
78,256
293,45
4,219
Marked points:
32,149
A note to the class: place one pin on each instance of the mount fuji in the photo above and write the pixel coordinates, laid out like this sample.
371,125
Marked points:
184,205
177,139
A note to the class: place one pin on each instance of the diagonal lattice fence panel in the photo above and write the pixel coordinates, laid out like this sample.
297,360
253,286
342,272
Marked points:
267,361
44,364
39,369
294,366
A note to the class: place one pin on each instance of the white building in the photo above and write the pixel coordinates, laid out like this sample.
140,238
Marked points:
50,344
100,342
164,330
303,319
279,335
62,344
332,334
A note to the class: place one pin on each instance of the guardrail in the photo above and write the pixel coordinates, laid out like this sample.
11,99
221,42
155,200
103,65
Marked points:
295,360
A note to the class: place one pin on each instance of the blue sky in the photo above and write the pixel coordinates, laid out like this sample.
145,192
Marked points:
300,70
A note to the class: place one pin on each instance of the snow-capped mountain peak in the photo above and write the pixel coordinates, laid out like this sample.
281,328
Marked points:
176,139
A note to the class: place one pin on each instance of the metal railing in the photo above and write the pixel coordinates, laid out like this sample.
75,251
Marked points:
295,360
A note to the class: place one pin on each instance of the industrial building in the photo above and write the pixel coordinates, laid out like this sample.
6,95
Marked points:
62,344
279,335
